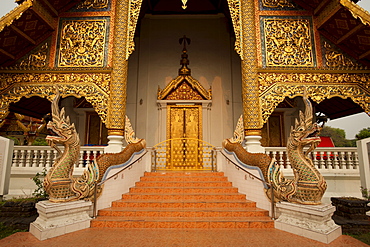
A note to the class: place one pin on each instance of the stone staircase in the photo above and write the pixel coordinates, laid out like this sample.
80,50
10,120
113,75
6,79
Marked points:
183,200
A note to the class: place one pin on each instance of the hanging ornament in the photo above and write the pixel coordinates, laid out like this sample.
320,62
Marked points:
184,2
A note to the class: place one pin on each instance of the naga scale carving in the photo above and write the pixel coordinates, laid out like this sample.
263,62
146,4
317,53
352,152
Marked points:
308,185
59,182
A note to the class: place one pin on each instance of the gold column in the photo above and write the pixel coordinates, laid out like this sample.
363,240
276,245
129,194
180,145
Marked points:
126,15
251,105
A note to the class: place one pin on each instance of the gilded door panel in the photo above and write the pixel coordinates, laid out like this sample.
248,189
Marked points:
184,122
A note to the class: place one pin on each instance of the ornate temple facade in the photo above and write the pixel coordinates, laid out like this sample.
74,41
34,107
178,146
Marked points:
255,58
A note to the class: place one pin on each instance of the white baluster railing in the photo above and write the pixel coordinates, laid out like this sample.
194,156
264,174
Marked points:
338,158
33,158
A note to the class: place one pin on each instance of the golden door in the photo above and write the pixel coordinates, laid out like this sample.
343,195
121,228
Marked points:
184,122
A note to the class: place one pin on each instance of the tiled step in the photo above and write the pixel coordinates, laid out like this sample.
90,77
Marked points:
183,174
179,222
177,190
183,212
183,184
183,200
184,178
183,196
183,204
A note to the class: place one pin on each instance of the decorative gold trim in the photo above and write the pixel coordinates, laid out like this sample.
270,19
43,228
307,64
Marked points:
236,17
194,84
291,45
133,16
276,94
93,94
37,58
94,4
277,4
334,58
357,11
266,80
102,80
253,132
114,132
82,43
15,14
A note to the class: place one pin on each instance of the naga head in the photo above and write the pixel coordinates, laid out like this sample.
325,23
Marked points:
60,125
305,131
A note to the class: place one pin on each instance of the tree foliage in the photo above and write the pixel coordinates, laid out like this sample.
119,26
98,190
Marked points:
337,135
364,133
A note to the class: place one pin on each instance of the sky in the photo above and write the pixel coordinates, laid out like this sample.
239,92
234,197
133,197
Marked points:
351,124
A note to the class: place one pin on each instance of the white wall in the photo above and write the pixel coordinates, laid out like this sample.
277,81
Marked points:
156,61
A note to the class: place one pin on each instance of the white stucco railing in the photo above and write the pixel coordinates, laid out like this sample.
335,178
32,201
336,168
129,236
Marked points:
338,158
29,160
44,156
340,167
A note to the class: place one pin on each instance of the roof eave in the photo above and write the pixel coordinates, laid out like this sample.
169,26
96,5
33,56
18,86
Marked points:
15,14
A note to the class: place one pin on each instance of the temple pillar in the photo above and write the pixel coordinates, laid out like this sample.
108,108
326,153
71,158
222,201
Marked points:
123,46
250,90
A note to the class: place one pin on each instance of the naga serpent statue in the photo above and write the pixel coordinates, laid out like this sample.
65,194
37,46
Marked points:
59,182
308,185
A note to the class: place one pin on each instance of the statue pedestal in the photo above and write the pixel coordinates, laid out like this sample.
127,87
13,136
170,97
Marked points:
310,221
56,219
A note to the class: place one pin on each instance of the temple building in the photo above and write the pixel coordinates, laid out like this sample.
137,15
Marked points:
183,68
237,88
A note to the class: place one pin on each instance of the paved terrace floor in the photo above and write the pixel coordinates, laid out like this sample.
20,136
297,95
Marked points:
176,238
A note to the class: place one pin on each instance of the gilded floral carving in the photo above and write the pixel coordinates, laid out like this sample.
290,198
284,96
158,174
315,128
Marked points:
334,58
277,4
37,59
100,79
288,42
266,80
94,4
82,43
235,12
92,93
276,94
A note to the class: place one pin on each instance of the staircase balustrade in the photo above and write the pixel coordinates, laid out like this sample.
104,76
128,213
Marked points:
35,158
337,158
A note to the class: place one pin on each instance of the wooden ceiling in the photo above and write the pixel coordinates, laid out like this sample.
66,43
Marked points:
337,23
27,26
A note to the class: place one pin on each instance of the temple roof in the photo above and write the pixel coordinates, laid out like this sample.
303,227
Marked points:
27,25
344,23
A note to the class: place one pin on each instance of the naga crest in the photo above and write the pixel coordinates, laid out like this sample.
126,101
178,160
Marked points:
305,131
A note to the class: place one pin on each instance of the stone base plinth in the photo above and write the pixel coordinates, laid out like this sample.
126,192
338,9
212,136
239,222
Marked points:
310,221
56,219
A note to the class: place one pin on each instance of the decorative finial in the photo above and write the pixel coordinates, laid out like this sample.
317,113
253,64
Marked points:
184,70
184,2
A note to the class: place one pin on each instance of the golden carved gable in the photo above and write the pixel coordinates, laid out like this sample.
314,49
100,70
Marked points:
184,88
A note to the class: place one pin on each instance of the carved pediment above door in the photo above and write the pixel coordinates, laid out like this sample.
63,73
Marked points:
184,88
